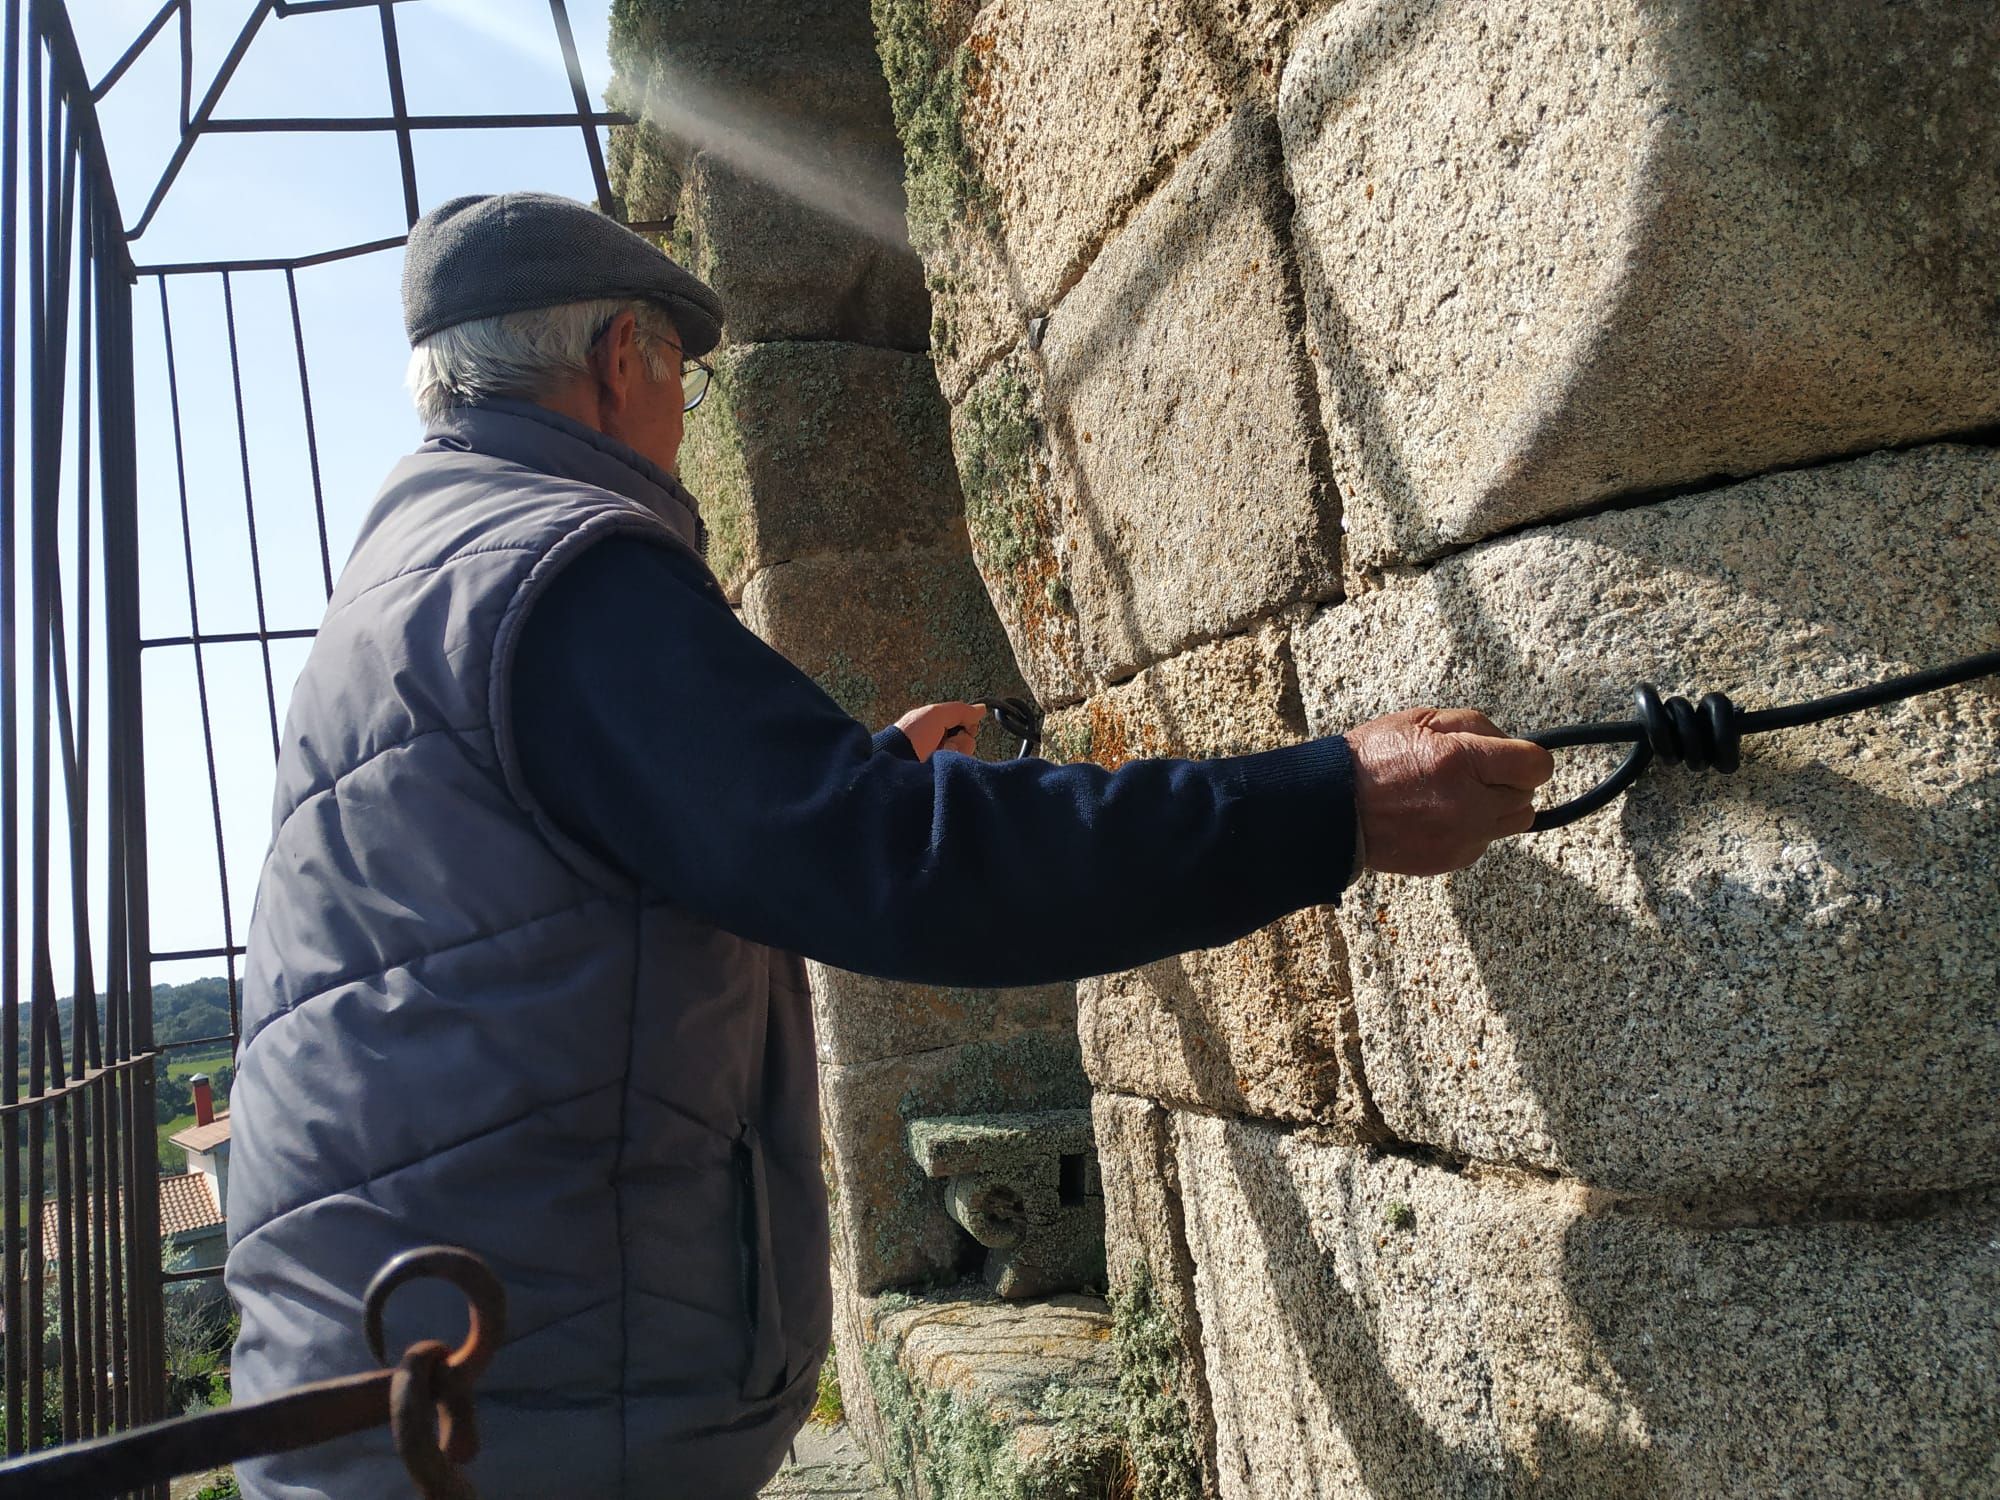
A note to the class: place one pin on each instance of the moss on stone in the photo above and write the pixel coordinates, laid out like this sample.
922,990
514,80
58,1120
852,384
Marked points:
928,91
1151,1377
954,1450
714,469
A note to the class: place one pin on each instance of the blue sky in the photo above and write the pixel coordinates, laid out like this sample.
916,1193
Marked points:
247,196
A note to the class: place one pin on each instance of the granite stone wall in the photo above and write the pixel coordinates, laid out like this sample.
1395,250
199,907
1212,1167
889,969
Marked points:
1307,361
823,466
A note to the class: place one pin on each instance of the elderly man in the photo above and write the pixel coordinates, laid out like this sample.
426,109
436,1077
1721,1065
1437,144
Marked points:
551,826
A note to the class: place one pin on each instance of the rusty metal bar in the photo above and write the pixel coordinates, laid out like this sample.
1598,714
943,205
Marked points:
429,1382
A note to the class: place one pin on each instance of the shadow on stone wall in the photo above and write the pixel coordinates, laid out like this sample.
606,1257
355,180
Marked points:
1395,1450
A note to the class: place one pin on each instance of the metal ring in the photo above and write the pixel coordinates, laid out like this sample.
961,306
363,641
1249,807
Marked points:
486,1301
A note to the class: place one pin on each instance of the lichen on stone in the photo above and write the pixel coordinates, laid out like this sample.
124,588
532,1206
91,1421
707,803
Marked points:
995,435
1158,1435
848,685
1066,738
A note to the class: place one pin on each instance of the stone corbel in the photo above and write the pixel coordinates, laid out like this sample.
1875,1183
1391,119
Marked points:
1026,1186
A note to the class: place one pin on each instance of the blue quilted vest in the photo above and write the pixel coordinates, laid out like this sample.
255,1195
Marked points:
459,1027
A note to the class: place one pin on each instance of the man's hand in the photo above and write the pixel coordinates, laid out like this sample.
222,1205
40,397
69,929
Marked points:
1434,786
942,726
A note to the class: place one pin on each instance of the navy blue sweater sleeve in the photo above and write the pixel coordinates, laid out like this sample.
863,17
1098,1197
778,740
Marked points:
664,736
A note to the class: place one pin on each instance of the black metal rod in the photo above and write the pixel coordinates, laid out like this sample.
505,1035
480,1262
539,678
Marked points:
52,21
88,1046
10,834
145,1363
192,131
41,1001
392,59
585,117
226,638
271,263
326,257
316,7
131,54
312,432
249,520
116,1410
383,124
187,60
182,954
194,617
197,1044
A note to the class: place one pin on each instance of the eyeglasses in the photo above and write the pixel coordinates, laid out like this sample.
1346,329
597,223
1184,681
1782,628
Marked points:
696,377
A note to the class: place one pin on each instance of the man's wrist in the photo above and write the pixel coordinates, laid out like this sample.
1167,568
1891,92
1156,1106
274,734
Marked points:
1360,851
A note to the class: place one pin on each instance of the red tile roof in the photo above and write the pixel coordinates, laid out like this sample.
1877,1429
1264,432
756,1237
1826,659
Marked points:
187,1202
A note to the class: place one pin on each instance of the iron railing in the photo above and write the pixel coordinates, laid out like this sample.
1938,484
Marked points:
79,1250
82,1299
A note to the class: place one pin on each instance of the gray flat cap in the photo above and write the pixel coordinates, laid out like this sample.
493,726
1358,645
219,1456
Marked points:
480,256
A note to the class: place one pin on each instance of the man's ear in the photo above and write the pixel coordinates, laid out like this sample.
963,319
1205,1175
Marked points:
615,362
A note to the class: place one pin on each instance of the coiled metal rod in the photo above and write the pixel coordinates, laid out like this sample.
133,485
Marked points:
1708,735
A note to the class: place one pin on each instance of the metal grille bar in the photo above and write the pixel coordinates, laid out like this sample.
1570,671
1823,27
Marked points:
79,1265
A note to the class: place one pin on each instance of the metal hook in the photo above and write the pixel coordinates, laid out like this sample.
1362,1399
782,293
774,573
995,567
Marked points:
1019,717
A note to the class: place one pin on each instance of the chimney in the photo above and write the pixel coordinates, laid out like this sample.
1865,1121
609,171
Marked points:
204,1100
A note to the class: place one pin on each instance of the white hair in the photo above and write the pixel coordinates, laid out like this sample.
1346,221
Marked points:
526,354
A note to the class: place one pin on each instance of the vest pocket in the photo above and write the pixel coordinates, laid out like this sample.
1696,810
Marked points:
764,1372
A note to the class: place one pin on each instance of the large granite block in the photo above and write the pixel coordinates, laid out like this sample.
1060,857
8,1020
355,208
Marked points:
889,1220
1169,1426
986,1400
1033,130
1263,1026
1153,477
1783,980
859,1018
807,448
1593,247
1380,1326
1230,697
774,121
804,241
885,634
